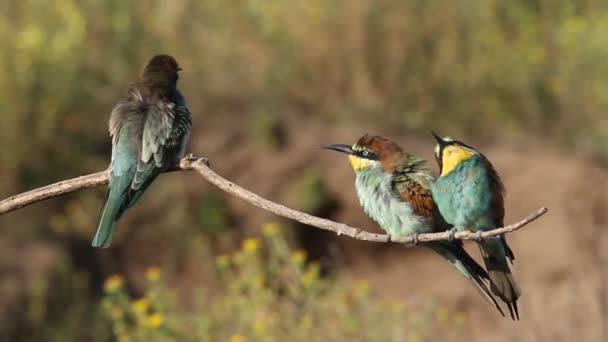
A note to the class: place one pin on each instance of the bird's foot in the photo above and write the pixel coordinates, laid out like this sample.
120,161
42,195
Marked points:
478,236
415,239
452,233
388,238
190,157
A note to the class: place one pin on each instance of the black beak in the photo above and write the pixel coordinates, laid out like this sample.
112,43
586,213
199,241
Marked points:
439,139
339,147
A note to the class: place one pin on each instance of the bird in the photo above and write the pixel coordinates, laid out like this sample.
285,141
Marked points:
394,189
150,129
470,196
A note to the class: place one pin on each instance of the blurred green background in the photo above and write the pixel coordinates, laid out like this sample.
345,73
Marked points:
268,81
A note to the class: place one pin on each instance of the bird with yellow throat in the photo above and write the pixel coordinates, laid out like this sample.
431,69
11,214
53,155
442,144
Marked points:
394,189
470,196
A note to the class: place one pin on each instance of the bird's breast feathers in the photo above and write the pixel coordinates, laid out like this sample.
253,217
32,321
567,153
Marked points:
380,202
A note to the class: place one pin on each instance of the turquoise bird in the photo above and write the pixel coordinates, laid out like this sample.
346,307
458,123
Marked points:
394,189
150,129
470,196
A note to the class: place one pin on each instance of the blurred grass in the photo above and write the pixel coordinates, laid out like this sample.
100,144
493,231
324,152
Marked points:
485,68
267,292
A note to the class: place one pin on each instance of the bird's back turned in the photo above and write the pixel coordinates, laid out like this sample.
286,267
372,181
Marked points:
149,131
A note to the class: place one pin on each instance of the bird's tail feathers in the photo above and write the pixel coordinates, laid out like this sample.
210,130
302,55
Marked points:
502,282
132,197
465,264
108,218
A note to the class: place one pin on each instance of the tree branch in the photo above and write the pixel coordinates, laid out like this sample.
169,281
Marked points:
200,165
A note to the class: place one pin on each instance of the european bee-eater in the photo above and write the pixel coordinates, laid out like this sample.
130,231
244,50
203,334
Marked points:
394,189
150,129
470,196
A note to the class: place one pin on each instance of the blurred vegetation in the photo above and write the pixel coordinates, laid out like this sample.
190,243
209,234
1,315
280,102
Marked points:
213,213
310,193
263,291
267,292
485,68
491,69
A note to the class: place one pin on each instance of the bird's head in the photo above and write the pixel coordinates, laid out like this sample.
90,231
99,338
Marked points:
370,152
162,67
449,153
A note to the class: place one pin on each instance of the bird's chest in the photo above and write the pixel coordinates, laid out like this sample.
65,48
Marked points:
380,202
464,197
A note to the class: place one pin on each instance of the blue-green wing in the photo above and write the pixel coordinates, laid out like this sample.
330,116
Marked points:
164,132
126,122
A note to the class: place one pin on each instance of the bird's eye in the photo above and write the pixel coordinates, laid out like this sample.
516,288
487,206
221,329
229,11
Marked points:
365,153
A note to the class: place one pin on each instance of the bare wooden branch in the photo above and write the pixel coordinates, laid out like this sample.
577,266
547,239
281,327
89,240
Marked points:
53,190
200,165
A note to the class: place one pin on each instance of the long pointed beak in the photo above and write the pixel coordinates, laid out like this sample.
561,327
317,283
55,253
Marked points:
439,139
338,147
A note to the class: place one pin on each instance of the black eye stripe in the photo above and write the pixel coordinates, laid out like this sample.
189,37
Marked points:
365,154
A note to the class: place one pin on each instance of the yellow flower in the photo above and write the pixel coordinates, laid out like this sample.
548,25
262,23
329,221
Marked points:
362,288
298,256
113,283
140,305
460,319
259,326
258,281
271,229
306,322
153,274
536,55
222,261
311,274
398,308
155,320
237,338
251,245
442,314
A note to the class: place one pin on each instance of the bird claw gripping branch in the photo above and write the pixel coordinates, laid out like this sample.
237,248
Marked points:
415,239
478,236
452,233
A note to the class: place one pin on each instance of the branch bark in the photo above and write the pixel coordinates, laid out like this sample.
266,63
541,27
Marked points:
200,165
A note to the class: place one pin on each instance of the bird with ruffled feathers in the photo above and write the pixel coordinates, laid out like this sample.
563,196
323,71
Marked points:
150,129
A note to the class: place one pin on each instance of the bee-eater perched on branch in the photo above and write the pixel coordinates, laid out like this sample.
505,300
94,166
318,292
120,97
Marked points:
150,129
469,195
394,189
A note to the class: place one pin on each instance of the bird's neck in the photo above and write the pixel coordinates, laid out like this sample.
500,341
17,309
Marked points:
373,189
474,161
160,84
371,180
